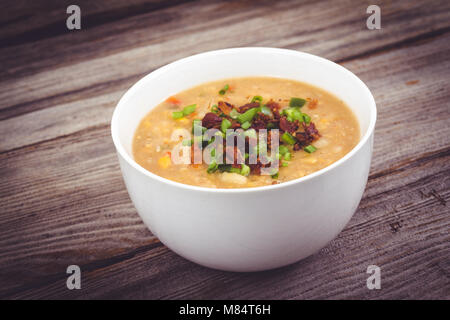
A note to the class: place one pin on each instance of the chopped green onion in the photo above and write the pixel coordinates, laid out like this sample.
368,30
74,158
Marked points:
293,114
257,99
248,115
212,167
275,176
224,167
297,115
198,123
245,170
284,164
224,90
177,114
287,156
187,142
228,168
198,138
262,145
185,112
271,125
203,129
283,150
225,125
234,114
235,170
306,118
250,133
213,152
215,108
245,125
297,102
206,138
310,148
219,133
246,156
288,138
189,109
266,110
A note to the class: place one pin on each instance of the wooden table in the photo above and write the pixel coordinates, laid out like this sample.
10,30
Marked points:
63,200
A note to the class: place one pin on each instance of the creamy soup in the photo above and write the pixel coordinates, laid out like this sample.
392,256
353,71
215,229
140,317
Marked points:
315,129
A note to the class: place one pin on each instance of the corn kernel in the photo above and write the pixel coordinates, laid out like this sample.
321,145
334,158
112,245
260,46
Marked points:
323,123
309,160
182,120
164,162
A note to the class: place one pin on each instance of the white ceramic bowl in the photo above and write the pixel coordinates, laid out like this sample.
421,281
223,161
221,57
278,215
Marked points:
248,229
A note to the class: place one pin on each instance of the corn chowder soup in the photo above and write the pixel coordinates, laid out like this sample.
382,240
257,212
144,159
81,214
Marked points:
306,128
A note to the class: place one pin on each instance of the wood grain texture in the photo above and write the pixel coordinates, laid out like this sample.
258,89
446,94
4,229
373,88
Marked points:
62,197
113,56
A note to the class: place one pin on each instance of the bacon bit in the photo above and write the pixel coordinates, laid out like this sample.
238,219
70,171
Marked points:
235,124
173,100
261,121
288,126
312,103
276,114
311,130
305,138
248,106
264,117
258,124
211,120
225,107
255,168
274,106
302,140
269,139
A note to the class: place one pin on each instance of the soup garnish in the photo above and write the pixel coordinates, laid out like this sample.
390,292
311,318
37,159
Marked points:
295,127
243,139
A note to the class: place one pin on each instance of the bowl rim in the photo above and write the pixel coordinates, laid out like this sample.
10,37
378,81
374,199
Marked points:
141,83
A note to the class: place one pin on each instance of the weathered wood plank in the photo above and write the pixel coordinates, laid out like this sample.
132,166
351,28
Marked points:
53,69
30,21
60,120
393,235
64,202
